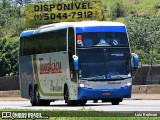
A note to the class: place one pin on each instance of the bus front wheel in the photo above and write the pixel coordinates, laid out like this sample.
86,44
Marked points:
116,101
82,102
95,101
66,97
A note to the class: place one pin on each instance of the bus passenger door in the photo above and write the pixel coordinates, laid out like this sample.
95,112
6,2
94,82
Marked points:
73,88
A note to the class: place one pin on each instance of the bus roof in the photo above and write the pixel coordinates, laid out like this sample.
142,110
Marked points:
57,26
27,33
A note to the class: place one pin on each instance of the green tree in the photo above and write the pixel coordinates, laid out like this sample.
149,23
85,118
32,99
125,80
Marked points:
11,25
144,35
5,4
118,9
8,57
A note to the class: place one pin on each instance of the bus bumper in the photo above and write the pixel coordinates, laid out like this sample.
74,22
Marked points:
92,94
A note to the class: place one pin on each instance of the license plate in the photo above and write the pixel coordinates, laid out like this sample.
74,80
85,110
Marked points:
106,93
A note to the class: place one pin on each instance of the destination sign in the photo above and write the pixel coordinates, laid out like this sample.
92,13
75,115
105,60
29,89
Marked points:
51,12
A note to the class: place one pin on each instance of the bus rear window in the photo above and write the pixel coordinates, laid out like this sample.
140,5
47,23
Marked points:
102,39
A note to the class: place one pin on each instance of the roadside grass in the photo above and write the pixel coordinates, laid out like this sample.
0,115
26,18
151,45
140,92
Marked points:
106,118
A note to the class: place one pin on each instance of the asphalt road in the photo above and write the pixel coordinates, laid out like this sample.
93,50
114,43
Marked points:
126,105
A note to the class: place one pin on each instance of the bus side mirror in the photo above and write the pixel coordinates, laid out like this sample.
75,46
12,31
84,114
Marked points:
135,61
76,62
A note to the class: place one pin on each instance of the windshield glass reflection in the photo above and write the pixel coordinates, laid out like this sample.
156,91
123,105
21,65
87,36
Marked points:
96,64
103,39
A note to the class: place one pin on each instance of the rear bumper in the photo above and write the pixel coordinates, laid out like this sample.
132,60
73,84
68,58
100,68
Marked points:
91,94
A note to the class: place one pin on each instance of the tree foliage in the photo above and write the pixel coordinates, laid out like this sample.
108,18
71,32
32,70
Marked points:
8,57
118,9
144,35
11,24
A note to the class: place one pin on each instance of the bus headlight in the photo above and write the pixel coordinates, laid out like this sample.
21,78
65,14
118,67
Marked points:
129,83
85,85
81,85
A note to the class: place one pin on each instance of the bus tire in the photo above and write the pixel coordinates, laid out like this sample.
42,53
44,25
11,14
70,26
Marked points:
95,101
32,98
82,102
115,102
37,96
66,96
44,103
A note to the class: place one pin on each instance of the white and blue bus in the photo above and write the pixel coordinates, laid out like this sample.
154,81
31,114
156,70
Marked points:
76,62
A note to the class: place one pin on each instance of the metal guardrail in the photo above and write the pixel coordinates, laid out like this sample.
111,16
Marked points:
9,83
147,75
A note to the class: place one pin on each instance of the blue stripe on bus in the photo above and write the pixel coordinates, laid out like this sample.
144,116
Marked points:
26,33
92,94
101,29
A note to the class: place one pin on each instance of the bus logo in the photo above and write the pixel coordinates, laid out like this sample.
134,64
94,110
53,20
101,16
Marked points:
50,67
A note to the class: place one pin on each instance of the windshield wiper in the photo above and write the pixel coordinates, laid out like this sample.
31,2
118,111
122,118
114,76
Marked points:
95,78
119,77
102,78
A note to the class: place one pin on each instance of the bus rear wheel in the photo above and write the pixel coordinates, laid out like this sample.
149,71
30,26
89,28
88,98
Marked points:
44,103
37,96
40,102
32,97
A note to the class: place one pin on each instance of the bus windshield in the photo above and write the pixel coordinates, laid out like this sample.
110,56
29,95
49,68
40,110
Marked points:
89,39
107,64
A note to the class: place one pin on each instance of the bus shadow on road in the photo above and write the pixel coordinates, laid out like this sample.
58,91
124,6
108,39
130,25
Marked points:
75,106
87,105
